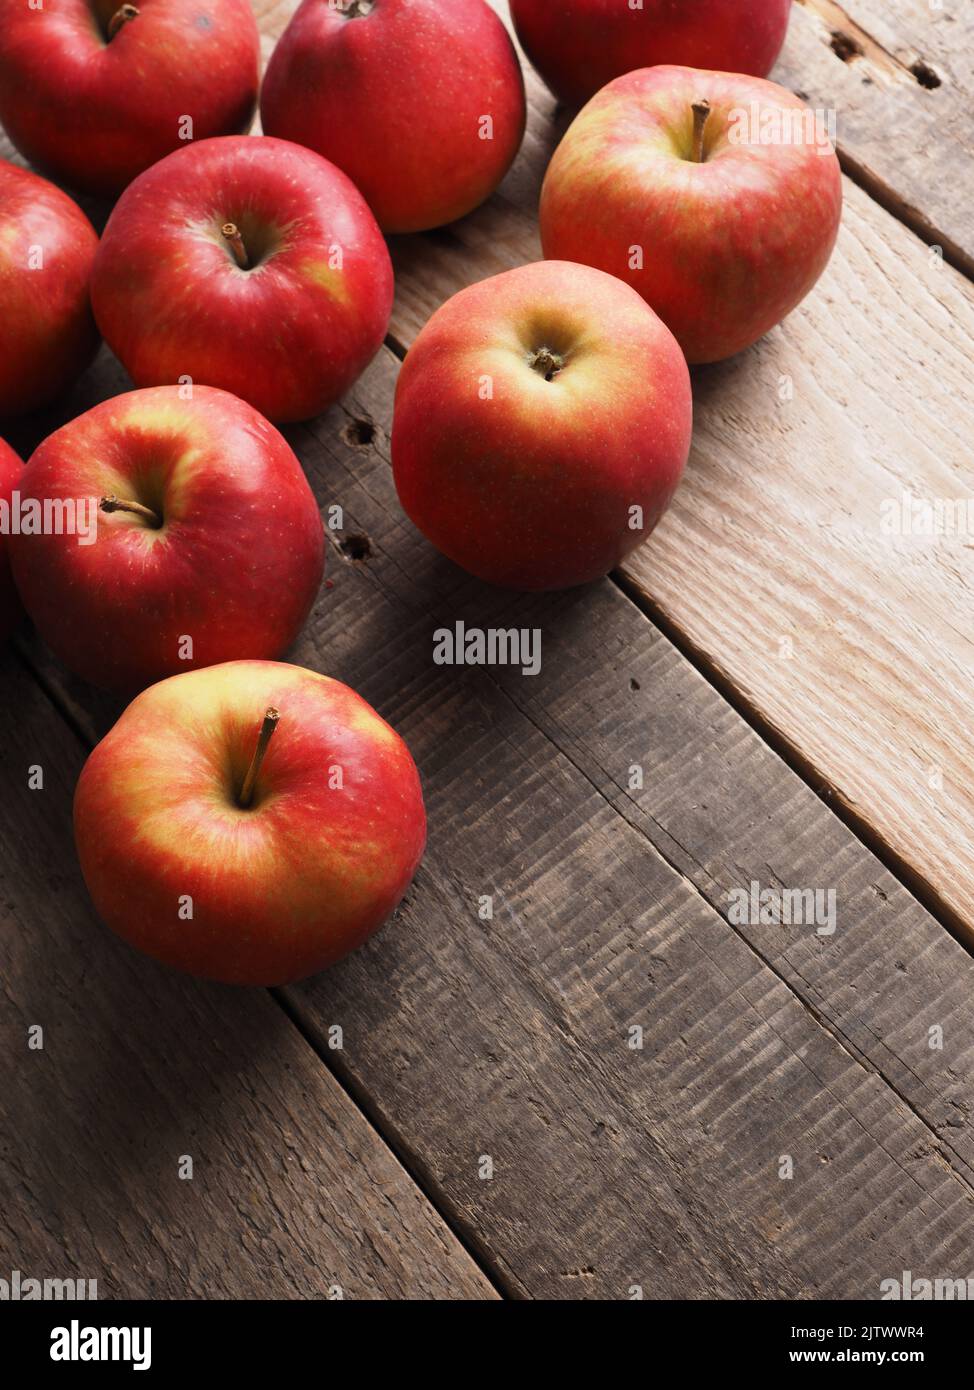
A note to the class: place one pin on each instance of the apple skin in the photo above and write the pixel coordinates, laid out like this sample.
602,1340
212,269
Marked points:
11,612
532,487
47,333
291,334
730,245
396,97
282,889
579,46
235,566
95,114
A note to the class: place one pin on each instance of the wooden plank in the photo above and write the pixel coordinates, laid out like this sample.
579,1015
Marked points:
292,1193
509,1037
901,79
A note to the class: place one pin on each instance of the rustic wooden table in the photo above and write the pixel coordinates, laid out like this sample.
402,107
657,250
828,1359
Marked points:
796,686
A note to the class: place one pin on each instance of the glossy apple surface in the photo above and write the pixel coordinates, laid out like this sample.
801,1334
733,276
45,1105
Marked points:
11,468
226,549
723,246
291,328
542,422
579,45
278,889
94,100
421,103
47,333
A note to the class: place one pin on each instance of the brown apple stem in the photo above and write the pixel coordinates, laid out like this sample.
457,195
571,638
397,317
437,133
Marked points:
701,110
263,739
546,363
121,504
235,241
120,18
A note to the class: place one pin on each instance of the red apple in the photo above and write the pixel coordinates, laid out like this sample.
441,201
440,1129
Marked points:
247,263
716,196
206,540
249,877
95,91
421,103
542,421
47,333
580,46
11,612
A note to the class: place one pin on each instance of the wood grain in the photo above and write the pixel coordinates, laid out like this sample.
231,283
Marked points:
293,1195
900,76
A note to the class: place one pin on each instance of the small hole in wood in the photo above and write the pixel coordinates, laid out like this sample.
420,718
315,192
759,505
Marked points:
925,75
633,683
356,546
359,433
844,46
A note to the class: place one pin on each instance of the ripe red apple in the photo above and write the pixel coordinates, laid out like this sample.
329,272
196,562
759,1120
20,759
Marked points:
716,196
94,91
207,544
579,47
542,421
246,263
421,103
11,612
250,823
47,333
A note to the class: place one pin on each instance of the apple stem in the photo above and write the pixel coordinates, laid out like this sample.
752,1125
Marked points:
121,504
120,18
701,110
263,739
546,363
235,241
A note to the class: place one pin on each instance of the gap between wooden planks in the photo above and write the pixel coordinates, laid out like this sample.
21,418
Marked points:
509,1038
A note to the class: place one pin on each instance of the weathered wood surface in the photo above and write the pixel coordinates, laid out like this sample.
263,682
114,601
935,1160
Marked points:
772,567
293,1195
900,76
509,1037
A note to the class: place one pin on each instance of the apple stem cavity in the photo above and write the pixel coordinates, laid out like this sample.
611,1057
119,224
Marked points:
231,234
121,504
546,363
358,9
701,110
120,18
263,739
